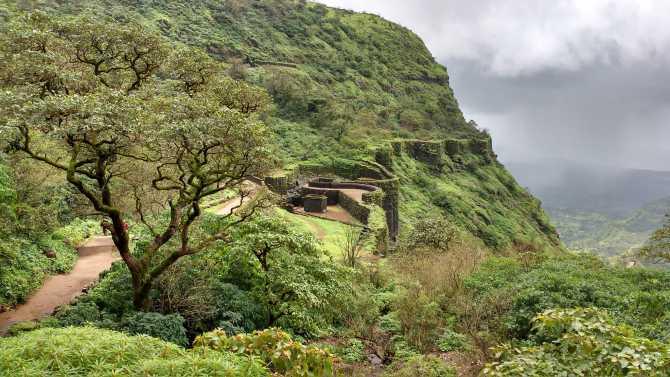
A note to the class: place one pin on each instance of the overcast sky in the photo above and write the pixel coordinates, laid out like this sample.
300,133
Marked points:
584,80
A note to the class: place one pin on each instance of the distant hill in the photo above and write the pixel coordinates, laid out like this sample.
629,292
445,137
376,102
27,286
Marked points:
597,188
601,208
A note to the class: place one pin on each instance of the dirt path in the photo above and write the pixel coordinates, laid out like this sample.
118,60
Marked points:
229,206
95,256
233,204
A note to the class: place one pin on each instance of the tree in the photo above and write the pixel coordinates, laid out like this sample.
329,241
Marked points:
434,233
300,287
657,248
142,130
350,246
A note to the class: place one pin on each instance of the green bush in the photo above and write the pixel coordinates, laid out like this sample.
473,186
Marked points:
276,349
166,327
638,297
77,231
78,351
450,340
420,318
92,352
202,364
23,326
420,366
353,352
24,265
169,328
79,314
581,342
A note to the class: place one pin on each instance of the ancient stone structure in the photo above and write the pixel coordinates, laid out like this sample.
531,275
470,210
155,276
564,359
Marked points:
440,155
315,203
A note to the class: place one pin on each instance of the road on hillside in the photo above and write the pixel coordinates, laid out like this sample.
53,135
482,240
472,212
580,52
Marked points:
95,256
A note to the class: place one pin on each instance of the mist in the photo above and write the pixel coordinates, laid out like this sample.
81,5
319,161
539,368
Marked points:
571,80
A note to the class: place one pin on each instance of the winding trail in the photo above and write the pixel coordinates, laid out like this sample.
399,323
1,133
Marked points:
95,256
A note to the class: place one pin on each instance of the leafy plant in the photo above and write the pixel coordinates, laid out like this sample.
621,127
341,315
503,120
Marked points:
581,342
169,328
88,352
451,341
275,348
425,366
353,352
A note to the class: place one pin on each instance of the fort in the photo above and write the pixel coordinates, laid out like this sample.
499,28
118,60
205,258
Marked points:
368,189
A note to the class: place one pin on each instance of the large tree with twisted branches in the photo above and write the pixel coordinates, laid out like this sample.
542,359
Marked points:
144,130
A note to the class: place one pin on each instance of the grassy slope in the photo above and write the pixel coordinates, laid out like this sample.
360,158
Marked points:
340,69
330,233
484,201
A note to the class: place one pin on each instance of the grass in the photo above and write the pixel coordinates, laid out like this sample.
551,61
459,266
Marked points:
330,233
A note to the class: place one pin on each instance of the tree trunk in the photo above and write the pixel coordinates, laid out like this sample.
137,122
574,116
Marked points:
141,299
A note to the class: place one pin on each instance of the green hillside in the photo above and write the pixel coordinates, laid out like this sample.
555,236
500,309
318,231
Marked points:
345,84
607,235
149,118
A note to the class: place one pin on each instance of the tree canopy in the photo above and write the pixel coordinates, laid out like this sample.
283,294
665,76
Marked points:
138,126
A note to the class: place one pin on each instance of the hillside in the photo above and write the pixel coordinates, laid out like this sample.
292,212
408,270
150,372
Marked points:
290,190
346,84
605,235
604,209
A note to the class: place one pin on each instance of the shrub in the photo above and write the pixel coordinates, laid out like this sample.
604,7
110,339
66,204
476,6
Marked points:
581,342
420,318
88,352
423,366
637,297
77,351
166,327
23,326
435,233
23,264
78,315
169,328
276,349
204,364
451,341
353,352
76,232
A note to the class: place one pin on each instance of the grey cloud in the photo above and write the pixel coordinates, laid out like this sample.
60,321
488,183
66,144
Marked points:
584,80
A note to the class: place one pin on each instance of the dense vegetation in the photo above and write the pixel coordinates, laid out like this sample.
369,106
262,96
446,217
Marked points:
343,84
147,128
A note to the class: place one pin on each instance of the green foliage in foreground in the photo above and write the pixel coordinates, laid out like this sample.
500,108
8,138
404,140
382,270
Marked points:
274,348
636,296
85,351
582,342
424,366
